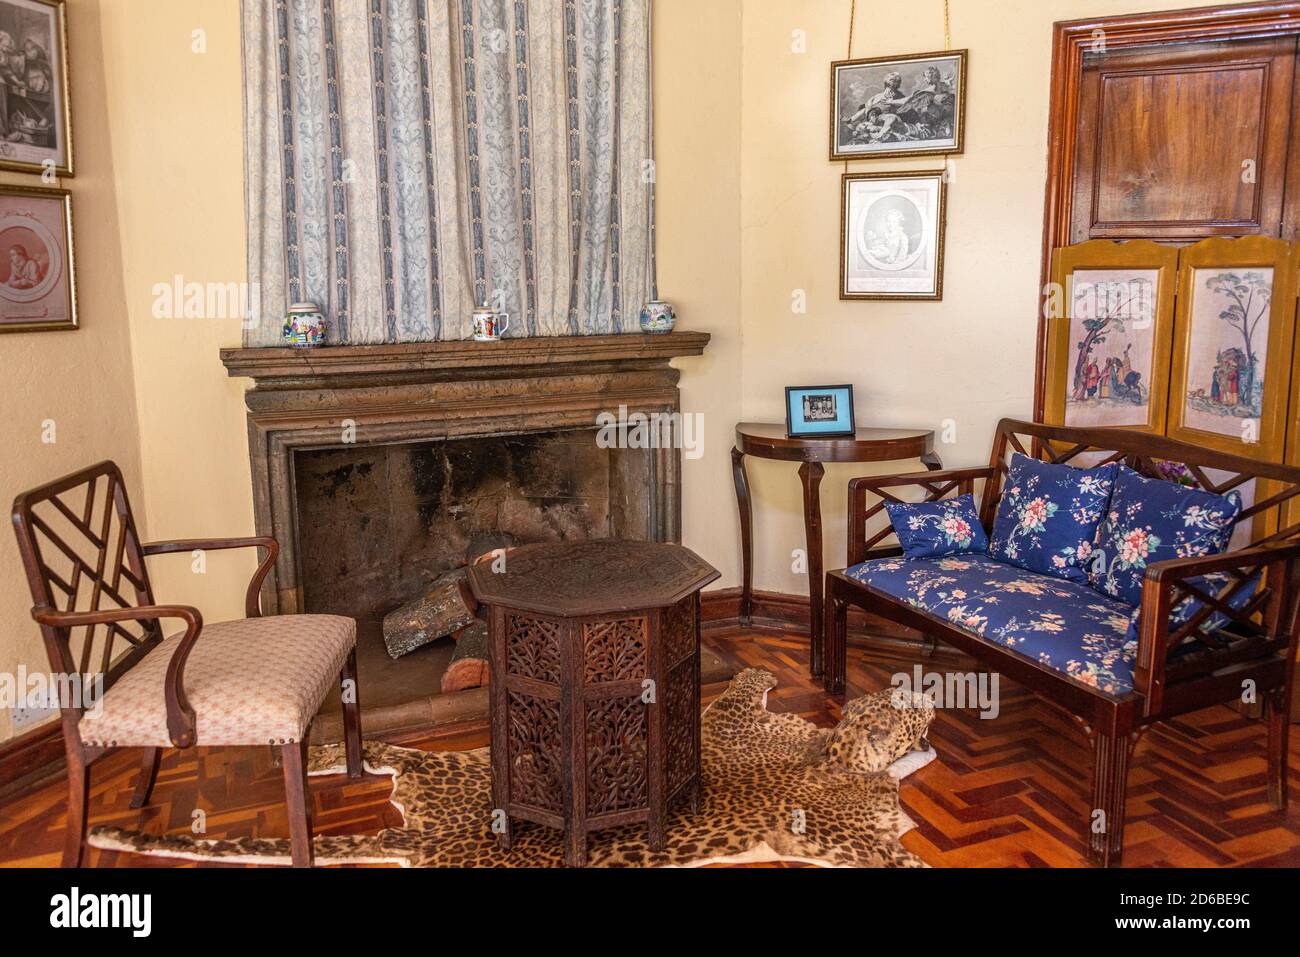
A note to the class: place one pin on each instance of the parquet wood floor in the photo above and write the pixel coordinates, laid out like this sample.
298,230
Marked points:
1005,792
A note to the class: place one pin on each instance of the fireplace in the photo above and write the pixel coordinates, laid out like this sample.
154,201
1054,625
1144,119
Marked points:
378,467
377,524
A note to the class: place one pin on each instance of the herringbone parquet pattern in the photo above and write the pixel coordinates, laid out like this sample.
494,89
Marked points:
1013,791
1006,792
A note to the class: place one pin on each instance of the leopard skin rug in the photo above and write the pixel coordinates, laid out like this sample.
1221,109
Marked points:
775,787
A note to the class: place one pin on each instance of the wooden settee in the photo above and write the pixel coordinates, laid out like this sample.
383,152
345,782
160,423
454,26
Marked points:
1255,650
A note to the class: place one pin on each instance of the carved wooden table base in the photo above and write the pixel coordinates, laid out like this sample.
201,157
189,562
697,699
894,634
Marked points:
595,690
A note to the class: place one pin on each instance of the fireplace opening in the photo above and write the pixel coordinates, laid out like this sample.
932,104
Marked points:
377,525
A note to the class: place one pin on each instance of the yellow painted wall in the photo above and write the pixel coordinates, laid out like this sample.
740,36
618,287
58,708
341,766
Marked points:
698,190
968,360
176,117
81,380
159,194
748,213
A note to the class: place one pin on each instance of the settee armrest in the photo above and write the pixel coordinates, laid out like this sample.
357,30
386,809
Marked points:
1267,617
937,485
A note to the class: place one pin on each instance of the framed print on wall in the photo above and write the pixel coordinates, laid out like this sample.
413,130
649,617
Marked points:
1233,336
911,105
38,280
819,411
35,112
891,235
1110,315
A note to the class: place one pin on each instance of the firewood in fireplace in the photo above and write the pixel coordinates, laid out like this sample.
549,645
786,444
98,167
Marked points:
447,607
469,665
488,546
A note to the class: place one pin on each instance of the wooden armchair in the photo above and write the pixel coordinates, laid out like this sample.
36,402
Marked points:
257,681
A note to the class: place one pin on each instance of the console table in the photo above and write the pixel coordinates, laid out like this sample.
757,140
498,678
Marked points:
595,690
769,441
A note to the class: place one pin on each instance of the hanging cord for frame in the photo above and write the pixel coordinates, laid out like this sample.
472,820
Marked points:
947,27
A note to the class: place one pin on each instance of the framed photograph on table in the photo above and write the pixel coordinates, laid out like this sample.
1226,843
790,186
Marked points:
891,236
1233,336
896,106
35,110
819,411
38,283
1110,315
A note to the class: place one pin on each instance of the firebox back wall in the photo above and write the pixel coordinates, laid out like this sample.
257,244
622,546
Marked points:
377,524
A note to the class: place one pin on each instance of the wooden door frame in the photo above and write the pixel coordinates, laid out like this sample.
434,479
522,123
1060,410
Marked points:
1070,41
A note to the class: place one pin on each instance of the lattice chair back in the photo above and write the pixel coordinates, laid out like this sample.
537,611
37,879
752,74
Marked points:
81,553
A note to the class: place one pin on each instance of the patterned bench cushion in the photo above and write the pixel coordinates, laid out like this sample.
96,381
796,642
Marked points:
255,681
1064,625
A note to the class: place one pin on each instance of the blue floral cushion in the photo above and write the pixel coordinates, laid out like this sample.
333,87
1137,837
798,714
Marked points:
1049,514
1151,520
1064,625
947,527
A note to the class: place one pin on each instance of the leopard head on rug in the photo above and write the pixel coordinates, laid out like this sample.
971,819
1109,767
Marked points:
878,729
775,786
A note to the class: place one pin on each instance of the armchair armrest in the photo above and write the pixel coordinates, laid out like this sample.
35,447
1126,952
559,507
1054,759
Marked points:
1165,584
252,607
180,716
937,485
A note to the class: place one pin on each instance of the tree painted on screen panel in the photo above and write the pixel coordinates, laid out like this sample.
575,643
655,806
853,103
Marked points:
1113,305
1250,295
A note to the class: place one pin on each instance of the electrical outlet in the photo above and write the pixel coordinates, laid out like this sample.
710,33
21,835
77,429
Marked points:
24,717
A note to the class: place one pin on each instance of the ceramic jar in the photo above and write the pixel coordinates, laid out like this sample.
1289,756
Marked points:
657,317
305,326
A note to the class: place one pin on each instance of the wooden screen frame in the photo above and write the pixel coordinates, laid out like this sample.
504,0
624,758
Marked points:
1291,455
1108,254
1261,252
1071,39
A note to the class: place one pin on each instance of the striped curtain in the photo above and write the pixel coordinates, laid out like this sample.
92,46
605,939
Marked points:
409,159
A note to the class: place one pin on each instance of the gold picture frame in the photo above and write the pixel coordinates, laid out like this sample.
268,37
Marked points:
880,105
1221,402
892,228
34,74
1110,316
38,269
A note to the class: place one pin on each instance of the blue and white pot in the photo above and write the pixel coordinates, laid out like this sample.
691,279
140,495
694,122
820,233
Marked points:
657,317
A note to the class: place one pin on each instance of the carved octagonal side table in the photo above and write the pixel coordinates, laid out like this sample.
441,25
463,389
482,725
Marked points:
595,690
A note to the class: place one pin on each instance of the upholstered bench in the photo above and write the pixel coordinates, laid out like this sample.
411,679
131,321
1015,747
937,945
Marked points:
1155,578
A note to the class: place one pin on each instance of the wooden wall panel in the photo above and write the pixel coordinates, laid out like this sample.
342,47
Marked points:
1184,142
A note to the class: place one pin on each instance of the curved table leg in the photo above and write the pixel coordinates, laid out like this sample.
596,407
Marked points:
810,473
746,506
932,461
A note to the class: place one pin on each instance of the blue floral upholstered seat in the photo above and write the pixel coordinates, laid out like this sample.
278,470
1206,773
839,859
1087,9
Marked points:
1065,625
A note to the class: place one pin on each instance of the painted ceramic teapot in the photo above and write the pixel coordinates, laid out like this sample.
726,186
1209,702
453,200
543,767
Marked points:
489,325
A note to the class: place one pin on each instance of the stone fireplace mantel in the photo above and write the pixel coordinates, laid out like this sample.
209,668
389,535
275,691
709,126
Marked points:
336,397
